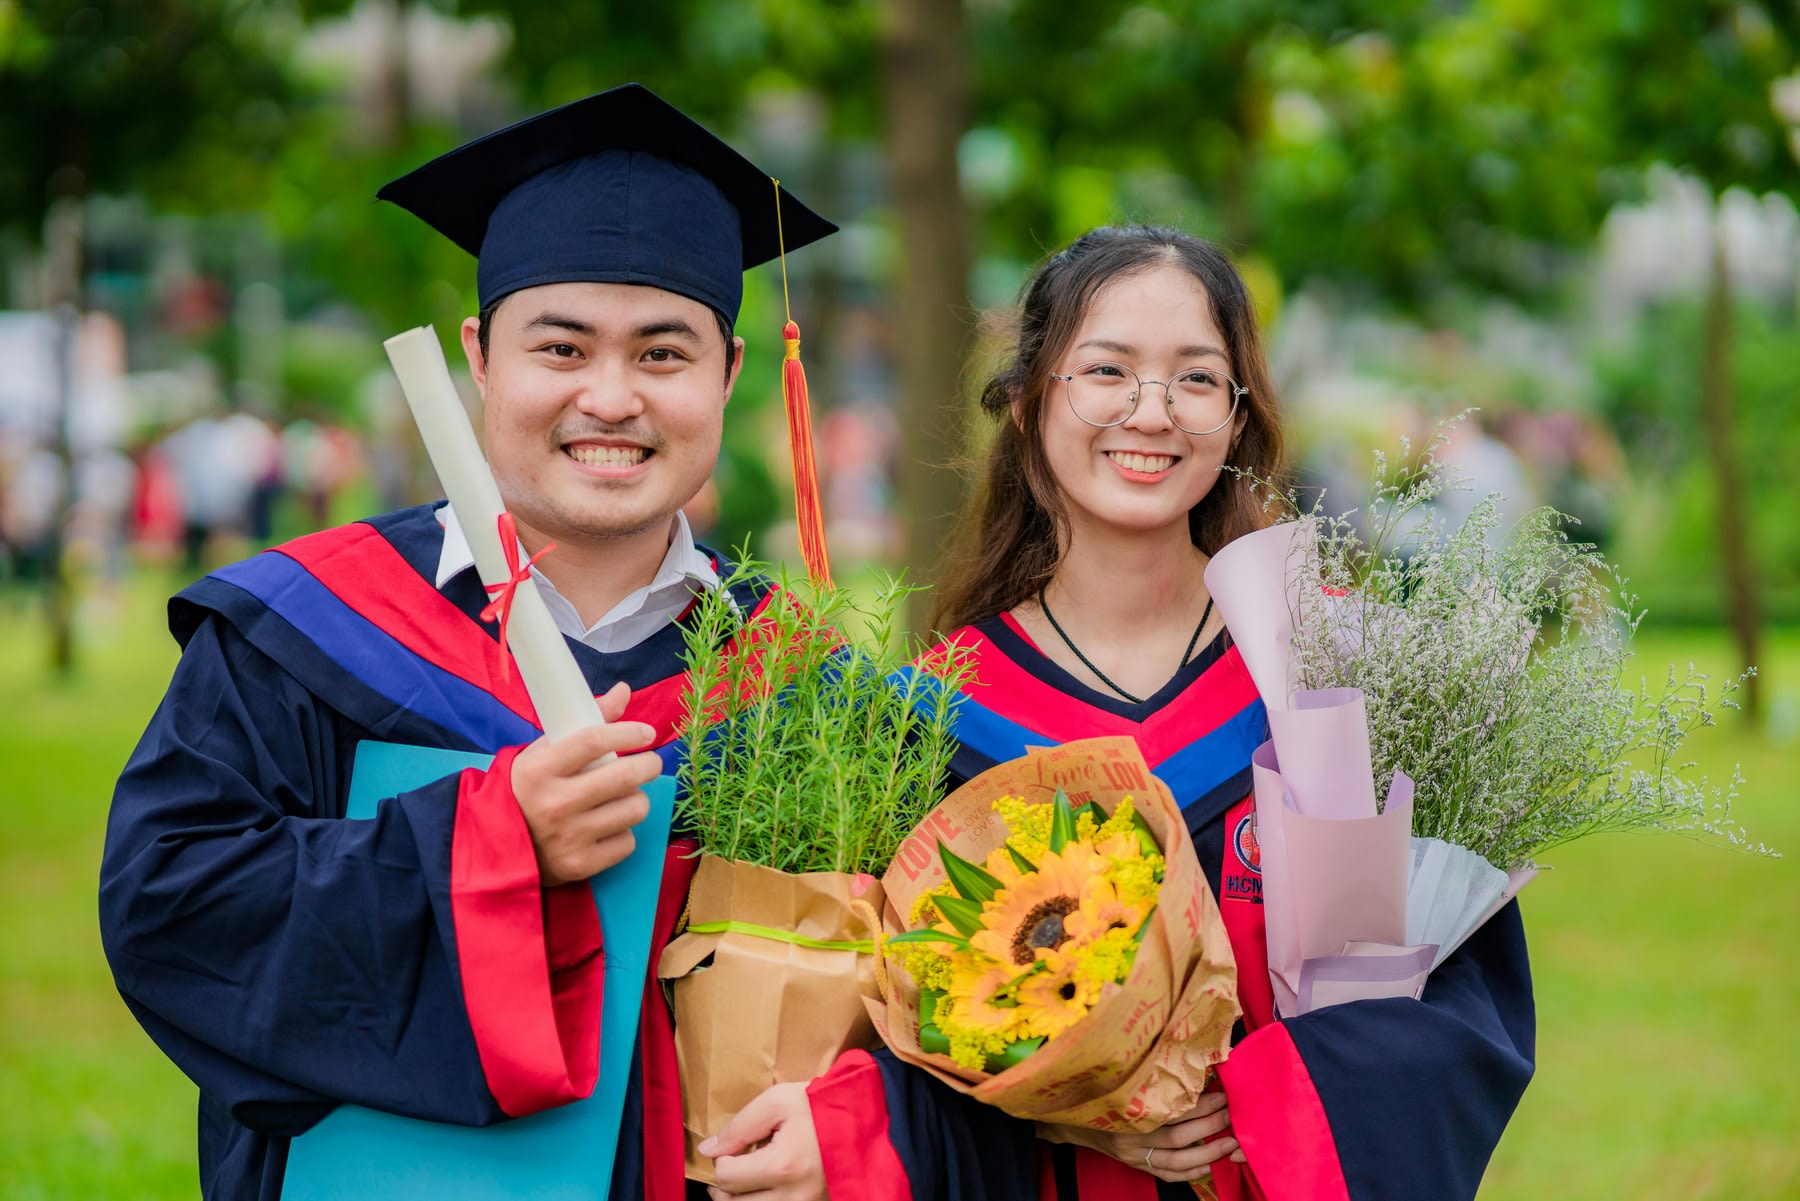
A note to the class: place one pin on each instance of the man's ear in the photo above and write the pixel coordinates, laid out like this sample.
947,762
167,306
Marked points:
737,365
471,342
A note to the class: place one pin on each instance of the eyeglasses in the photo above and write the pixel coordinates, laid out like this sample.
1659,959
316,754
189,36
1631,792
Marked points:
1201,400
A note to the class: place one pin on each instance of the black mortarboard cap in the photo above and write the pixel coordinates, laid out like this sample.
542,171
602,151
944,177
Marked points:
621,187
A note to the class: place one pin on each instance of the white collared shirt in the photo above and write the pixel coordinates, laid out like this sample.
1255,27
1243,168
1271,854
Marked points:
685,572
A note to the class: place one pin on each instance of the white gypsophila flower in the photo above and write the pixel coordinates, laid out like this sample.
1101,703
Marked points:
1492,663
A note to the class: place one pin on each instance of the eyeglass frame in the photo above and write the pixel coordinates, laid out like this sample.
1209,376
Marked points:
1238,392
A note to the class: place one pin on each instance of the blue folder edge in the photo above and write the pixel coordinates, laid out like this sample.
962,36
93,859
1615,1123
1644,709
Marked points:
564,1154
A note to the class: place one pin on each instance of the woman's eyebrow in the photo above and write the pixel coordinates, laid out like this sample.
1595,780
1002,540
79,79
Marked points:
1192,351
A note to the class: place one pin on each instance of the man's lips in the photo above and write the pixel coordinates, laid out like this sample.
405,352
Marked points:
591,454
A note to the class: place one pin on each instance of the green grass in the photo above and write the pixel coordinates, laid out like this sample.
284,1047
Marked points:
1668,983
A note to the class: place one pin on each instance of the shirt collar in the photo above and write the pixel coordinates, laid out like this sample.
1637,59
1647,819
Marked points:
685,561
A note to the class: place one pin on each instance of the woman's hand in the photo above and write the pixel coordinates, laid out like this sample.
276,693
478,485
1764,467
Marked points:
769,1148
1178,1151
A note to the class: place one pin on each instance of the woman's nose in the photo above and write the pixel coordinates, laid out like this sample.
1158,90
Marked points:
1150,414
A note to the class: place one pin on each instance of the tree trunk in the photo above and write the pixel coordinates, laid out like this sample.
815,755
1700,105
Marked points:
1738,569
927,100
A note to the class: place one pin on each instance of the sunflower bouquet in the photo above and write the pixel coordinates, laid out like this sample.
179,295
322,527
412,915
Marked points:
1059,953
1024,945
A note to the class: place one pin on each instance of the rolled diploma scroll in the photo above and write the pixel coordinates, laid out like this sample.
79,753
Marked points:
558,690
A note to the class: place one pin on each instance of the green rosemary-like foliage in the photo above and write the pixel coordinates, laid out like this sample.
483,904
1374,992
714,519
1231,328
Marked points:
1492,662
810,750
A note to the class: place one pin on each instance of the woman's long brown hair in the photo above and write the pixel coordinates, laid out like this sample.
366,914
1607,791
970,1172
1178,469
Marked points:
1009,545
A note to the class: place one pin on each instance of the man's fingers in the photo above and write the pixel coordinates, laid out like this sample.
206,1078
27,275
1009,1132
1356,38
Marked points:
613,702
572,752
610,852
753,1123
751,1171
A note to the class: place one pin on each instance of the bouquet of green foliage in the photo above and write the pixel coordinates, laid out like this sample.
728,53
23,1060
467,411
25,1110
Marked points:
815,743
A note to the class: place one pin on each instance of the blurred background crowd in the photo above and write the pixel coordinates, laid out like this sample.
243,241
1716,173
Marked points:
1577,222
1576,219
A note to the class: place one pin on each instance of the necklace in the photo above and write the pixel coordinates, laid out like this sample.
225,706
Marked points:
1089,663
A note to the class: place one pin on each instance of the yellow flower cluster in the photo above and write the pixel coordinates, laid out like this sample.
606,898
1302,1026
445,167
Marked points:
1060,910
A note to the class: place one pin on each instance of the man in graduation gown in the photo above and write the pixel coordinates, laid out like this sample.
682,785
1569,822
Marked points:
443,960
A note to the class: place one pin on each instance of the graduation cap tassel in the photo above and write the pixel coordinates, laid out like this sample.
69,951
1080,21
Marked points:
809,515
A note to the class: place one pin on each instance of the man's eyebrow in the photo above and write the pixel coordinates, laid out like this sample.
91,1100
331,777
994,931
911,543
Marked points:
554,320
668,325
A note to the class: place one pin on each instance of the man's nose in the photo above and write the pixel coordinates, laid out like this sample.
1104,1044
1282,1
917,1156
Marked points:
607,391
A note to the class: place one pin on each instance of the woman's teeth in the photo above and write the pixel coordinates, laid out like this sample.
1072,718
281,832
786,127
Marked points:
1146,463
609,456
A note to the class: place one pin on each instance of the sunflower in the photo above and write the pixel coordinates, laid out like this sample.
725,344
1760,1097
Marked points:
1102,910
1056,996
968,1016
1027,917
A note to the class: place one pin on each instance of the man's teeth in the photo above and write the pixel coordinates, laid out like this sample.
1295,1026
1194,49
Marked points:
1134,462
609,456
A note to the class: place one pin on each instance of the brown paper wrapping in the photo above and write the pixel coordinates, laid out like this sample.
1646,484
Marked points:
1142,1055
753,1011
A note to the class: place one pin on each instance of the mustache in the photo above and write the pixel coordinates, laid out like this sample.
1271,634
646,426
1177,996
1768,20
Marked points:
629,431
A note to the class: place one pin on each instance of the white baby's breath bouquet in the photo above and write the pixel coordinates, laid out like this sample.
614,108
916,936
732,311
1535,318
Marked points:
1493,664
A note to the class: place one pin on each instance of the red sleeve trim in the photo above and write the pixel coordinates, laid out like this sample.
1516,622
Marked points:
849,1112
530,959
1098,1175
1279,1121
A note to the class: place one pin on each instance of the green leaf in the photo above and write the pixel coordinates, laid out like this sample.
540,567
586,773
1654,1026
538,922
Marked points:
1138,938
932,1040
1093,810
1062,822
964,915
1019,861
928,1003
1146,839
971,881
912,936
1015,1054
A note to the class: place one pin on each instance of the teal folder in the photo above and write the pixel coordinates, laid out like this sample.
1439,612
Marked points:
564,1154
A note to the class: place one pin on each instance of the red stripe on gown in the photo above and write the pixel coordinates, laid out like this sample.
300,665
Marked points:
1276,1115
536,1026
1010,690
408,607
849,1113
665,1151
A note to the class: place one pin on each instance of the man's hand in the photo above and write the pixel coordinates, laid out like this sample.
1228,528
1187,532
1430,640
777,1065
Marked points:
580,813
785,1166
1178,1151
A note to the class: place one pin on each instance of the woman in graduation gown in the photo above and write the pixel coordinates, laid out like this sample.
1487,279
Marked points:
1136,386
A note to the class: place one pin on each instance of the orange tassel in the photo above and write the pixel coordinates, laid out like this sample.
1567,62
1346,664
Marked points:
809,515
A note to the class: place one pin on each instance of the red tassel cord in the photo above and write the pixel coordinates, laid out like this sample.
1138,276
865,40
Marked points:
809,515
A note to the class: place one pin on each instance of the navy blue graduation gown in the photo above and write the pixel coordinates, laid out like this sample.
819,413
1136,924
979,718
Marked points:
1391,1100
289,961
